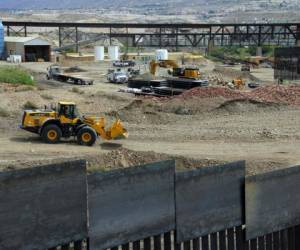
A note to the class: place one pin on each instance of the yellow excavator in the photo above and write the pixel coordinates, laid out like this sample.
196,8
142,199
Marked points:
64,121
238,83
192,73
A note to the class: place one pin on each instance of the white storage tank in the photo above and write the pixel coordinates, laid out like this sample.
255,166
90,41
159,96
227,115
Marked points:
161,54
113,53
99,53
15,58
1,40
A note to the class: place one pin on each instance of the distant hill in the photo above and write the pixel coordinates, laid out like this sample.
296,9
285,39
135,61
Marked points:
75,4
146,4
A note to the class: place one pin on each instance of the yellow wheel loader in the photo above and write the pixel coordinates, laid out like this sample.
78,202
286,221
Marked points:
65,122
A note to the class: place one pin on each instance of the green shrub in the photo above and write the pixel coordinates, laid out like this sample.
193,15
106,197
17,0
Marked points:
30,105
239,53
15,75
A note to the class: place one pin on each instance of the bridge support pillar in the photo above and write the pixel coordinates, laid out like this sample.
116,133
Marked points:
259,51
210,46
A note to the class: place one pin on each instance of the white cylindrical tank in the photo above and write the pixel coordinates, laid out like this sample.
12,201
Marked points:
15,58
113,53
161,54
99,53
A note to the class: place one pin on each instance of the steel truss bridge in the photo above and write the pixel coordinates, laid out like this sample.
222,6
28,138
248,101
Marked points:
167,35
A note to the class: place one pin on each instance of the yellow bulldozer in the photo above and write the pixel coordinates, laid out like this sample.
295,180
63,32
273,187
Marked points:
64,121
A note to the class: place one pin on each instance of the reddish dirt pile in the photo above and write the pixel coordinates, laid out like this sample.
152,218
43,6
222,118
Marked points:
278,94
274,94
212,92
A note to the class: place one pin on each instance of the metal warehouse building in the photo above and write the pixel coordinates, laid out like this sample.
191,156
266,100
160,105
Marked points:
31,49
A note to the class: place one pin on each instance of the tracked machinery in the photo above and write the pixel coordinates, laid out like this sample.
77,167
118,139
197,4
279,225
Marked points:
181,77
64,121
188,73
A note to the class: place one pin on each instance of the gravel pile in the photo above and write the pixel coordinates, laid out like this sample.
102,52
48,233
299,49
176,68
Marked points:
277,94
272,94
211,92
123,158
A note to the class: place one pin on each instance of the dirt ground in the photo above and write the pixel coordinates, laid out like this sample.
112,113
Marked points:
194,131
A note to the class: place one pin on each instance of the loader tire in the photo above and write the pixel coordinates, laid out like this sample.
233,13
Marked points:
86,136
51,134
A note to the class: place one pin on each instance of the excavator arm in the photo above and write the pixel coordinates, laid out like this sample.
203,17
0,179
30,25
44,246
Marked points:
163,64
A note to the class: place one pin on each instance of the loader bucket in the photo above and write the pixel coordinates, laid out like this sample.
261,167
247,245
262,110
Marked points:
117,131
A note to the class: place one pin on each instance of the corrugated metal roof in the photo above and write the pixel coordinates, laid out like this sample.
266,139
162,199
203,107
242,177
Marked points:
18,39
26,40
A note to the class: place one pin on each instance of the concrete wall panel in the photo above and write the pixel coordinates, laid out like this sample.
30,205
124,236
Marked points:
272,201
131,204
209,200
43,206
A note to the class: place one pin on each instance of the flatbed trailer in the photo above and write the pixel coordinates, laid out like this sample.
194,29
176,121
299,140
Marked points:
72,79
55,73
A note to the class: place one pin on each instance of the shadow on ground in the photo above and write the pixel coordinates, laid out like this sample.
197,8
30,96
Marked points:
110,145
38,140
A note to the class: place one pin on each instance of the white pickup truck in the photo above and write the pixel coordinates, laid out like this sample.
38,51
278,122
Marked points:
117,77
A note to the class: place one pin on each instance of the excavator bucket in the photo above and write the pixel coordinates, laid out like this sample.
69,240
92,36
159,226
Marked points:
117,131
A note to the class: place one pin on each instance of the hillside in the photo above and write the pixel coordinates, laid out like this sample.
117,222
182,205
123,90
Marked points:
173,4
74,4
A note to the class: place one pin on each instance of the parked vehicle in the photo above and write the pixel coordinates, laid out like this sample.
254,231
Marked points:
133,72
117,77
253,85
245,67
126,63
55,72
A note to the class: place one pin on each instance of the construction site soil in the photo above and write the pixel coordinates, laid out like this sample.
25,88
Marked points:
202,127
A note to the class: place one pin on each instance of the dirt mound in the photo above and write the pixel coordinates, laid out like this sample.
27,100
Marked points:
211,92
134,105
123,158
139,111
246,105
270,94
277,94
74,69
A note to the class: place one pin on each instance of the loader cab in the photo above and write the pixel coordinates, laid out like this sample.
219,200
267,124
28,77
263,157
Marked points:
68,110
